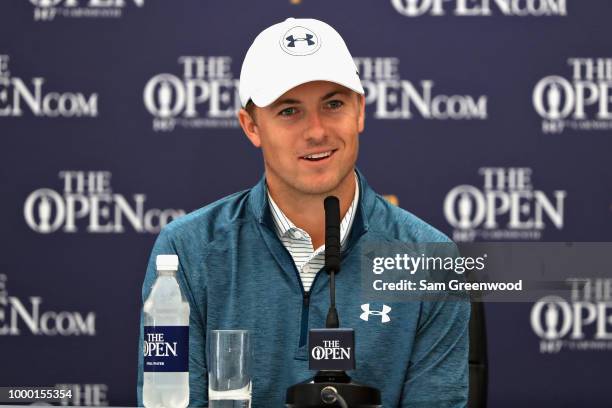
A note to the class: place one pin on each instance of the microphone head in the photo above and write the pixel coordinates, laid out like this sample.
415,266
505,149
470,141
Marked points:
332,234
332,205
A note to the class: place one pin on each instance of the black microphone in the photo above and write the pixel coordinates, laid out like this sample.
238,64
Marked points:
332,350
332,339
332,255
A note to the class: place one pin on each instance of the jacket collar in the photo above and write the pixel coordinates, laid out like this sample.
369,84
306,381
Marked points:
260,208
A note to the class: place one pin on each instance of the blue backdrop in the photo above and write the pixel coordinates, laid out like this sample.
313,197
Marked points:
490,119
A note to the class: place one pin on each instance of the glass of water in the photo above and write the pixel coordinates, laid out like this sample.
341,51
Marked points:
229,369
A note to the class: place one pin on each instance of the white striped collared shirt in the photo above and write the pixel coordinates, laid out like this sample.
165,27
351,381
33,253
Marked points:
308,261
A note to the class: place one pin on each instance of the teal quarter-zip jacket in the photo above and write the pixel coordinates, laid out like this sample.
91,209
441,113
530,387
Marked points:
236,274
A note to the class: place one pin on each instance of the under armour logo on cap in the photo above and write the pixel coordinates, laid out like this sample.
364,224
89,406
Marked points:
384,313
300,41
292,40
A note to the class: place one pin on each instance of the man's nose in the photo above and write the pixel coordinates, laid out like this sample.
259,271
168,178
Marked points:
314,126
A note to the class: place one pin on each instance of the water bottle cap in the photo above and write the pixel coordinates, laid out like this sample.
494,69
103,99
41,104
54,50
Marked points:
167,262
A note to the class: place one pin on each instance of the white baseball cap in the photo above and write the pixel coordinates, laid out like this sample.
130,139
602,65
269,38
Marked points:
292,53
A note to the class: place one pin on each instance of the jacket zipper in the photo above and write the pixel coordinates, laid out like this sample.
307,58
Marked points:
305,307
305,312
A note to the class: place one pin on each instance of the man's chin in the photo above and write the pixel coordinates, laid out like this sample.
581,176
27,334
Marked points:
320,186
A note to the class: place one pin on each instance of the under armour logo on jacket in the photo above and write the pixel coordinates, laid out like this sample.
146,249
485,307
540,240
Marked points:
384,313
308,38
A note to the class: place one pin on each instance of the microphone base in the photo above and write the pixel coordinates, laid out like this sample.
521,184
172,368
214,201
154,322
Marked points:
308,394
332,376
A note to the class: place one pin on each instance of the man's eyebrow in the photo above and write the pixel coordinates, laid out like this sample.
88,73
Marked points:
286,101
337,91
290,101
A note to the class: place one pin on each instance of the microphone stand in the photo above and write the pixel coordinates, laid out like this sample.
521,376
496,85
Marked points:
332,388
332,266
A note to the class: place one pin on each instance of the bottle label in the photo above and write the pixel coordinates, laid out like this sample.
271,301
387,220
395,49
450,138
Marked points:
166,348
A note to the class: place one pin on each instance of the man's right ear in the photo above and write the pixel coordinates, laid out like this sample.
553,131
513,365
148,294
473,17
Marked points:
250,127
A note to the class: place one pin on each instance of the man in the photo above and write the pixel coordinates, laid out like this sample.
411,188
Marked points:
252,260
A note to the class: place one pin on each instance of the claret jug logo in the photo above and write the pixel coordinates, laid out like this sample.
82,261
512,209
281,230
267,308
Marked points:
582,323
391,97
481,8
579,103
18,96
87,201
507,207
154,345
331,351
206,96
47,10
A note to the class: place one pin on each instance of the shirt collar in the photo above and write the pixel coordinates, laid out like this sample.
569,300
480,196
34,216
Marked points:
259,207
284,226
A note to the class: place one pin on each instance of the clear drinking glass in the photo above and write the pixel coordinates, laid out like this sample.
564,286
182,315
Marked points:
229,369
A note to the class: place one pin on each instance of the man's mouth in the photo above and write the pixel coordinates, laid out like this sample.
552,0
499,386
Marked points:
318,156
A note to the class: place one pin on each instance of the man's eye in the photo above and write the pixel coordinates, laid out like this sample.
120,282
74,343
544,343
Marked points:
335,104
288,112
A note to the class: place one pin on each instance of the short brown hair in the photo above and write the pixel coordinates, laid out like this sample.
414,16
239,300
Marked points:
250,108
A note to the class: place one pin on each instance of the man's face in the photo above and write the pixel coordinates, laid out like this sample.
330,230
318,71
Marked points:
309,137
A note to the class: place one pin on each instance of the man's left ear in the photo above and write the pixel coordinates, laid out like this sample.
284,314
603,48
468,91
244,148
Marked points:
361,117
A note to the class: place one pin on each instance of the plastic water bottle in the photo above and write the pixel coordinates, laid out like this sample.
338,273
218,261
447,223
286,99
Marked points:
166,340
